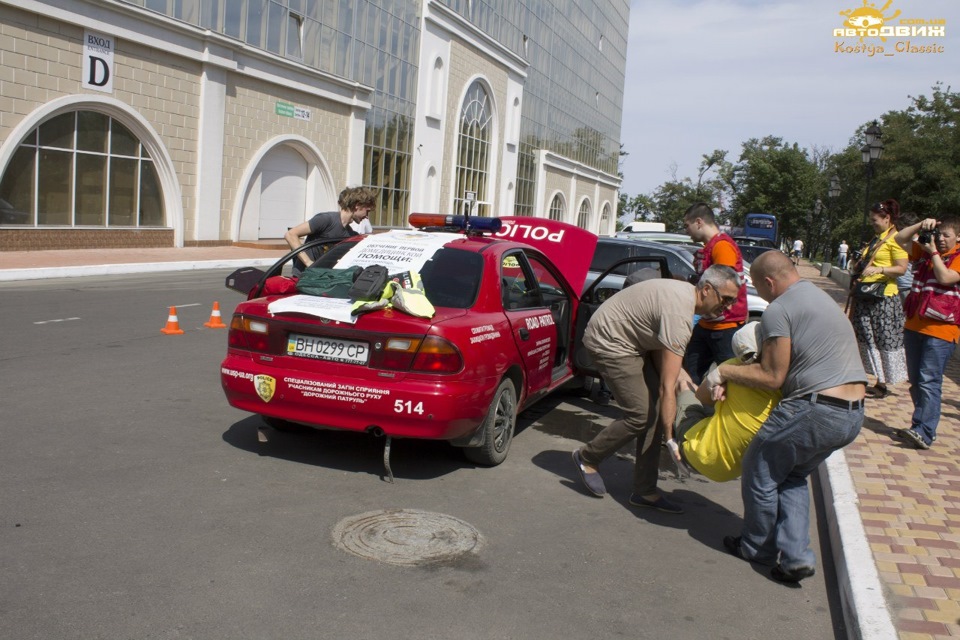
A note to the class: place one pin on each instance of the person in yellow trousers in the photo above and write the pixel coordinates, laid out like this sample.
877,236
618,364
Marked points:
712,437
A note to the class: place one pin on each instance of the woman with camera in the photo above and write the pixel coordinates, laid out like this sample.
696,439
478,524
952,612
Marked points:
933,313
877,311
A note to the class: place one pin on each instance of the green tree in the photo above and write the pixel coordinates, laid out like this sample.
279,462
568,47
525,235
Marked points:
773,176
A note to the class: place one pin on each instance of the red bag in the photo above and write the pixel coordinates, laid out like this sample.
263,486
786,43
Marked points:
279,286
943,308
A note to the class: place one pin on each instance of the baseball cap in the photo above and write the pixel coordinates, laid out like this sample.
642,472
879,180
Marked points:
746,342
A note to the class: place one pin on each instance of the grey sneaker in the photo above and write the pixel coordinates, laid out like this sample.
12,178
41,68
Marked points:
913,437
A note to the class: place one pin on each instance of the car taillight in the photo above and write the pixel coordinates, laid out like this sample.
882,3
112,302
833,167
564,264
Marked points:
249,333
397,354
437,355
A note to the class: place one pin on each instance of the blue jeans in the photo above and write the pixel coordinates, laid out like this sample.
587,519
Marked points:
794,440
706,347
927,359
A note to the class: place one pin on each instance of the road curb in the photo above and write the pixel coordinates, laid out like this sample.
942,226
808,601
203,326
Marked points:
865,610
13,275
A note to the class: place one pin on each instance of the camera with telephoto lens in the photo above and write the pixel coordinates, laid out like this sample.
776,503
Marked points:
926,236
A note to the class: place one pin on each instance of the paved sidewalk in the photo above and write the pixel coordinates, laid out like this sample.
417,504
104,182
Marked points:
66,263
893,511
909,504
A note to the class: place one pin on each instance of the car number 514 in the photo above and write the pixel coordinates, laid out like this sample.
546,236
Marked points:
407,406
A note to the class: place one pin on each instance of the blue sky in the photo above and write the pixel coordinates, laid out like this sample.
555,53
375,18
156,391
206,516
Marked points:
711,74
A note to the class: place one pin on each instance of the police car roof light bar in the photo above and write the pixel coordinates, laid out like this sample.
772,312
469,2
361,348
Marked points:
470,224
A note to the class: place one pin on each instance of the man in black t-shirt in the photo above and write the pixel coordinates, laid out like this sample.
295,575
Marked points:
355,205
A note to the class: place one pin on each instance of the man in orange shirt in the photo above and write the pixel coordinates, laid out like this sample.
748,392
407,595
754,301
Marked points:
712,337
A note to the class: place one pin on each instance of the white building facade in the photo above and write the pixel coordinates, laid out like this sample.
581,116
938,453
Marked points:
209,122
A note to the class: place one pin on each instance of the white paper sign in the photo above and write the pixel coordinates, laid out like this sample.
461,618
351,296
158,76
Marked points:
396,250
330,308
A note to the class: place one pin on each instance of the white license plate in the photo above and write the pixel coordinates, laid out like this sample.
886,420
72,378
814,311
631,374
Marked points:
328,349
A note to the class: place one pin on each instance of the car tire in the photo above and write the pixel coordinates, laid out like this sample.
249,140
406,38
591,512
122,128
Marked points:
283,425
498,427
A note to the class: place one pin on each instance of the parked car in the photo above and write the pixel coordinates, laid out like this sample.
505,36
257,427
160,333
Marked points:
501,337
751,246
656,236
679,258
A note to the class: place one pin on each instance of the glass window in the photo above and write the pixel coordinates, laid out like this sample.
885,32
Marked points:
151,197
58,132
91,197
233,19
123,192
557,208
583,218
92,130
55,188
451,278
16,188
276,17
473,149
294,36
256,16
104,181
123,142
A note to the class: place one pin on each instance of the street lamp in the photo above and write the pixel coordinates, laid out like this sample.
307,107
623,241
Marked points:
870,153
832,194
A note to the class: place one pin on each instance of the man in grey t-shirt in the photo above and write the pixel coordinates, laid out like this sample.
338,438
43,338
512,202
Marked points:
810,353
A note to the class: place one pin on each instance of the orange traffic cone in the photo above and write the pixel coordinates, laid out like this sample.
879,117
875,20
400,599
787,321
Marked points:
173,325
215,321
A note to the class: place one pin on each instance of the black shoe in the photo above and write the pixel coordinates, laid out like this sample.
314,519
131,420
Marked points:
660,504
732,544
796,574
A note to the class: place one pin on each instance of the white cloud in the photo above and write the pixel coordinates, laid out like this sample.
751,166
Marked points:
705,75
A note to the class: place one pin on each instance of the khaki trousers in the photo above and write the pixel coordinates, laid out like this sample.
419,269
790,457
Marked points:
635,385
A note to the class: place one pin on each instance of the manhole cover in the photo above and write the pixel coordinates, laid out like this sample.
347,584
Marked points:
406,536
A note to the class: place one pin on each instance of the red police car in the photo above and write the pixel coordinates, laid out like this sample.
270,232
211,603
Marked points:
502,336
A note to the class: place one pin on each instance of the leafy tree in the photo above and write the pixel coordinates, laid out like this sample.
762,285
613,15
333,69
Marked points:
773,176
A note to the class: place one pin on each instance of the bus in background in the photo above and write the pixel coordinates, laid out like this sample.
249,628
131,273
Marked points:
761,225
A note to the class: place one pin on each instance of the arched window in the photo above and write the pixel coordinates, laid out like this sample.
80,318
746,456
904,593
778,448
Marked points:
473,149
556,208
604,226
583,218
81,169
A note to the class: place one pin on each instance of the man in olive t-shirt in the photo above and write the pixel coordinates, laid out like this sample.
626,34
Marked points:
637,339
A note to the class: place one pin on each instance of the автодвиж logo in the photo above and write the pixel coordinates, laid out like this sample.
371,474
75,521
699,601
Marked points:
867,21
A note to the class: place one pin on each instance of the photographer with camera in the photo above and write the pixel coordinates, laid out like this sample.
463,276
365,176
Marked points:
933,312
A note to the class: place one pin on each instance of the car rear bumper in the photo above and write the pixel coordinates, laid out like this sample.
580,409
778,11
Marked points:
410,408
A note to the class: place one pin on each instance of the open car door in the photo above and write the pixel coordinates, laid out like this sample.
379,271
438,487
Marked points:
603,288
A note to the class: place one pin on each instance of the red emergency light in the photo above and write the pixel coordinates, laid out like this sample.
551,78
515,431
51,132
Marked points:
454,223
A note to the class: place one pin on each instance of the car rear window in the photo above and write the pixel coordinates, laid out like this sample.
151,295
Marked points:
606,254
451,278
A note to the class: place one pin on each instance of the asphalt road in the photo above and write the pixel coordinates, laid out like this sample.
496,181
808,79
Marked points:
136,503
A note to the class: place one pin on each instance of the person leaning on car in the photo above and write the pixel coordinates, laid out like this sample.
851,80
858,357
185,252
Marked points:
711,340
355,205
636,340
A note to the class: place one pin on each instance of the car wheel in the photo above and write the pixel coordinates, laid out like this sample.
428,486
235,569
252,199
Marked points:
283,425
497,428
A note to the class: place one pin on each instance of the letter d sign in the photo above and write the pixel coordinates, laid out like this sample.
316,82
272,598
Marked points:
98,62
